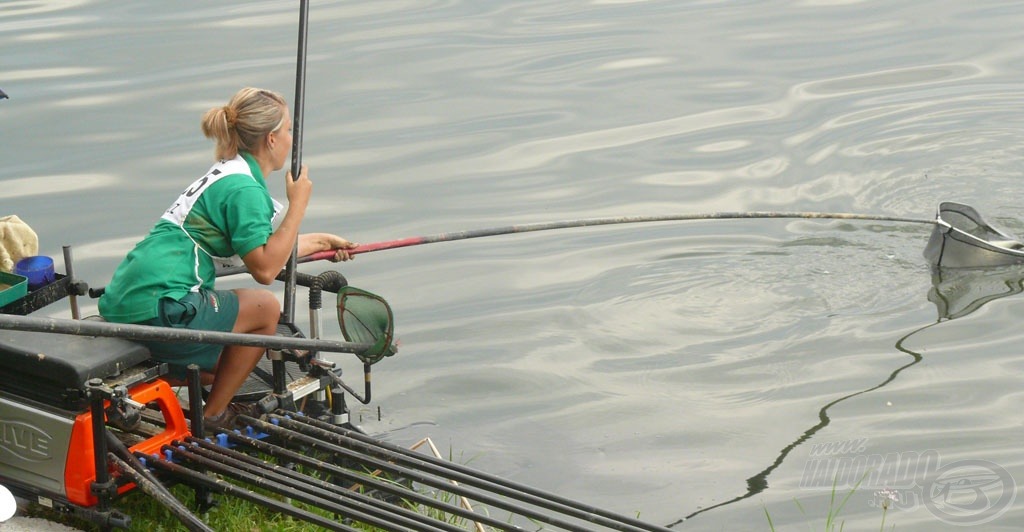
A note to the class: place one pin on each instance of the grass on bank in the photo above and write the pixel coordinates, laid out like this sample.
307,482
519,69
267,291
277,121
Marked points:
229,514
835,507
234,514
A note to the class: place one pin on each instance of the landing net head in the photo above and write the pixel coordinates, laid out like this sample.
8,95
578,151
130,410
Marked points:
366,318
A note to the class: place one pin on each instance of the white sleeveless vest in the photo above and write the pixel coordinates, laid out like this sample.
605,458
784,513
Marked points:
186,201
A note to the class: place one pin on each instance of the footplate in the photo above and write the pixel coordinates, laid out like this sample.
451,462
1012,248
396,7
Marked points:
301,357
294,366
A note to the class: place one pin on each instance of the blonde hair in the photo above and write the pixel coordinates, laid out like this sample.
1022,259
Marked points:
243,123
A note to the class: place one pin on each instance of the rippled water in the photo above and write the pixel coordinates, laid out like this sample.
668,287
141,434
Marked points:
671,370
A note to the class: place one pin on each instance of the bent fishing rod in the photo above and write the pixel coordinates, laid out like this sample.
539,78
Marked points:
589,222
569,224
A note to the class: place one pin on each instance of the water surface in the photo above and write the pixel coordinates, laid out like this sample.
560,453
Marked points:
669,370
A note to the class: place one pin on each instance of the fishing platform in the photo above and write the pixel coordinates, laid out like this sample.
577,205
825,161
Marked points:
87,416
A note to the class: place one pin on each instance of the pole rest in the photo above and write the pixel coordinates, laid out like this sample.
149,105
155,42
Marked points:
96,388
122,410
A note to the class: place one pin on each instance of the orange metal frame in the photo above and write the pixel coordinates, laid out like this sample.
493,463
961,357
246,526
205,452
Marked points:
80,470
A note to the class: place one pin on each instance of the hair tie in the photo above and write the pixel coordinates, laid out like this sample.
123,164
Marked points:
231,115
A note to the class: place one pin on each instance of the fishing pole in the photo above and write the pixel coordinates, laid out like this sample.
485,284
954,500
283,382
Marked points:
311,491
288,310
167,334
421,468
462,486
583,222
195,478
129,466
587,222
400,455
158,493
297,480
382,485
270,481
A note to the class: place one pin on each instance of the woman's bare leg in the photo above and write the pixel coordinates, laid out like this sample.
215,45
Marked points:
258,313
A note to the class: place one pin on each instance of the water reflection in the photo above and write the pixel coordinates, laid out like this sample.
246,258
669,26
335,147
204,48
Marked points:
956,292
886,80
38,7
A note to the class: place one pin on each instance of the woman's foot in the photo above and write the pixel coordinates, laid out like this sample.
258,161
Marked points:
226,420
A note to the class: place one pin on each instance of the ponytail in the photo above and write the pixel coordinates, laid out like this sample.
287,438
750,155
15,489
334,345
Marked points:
244,121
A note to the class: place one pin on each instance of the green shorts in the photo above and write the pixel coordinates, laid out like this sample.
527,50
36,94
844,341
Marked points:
207,310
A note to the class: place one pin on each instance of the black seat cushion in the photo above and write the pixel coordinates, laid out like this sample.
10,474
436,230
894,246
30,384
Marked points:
54,368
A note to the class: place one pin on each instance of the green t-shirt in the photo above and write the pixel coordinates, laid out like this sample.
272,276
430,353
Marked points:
226,213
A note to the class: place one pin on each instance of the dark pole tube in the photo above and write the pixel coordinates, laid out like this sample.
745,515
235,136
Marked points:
102,485
150,486
291,482
442,482
298,116
196,409
195,400
392,488
268,482
466,475
167,334
227,488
